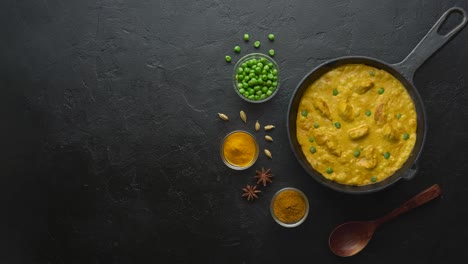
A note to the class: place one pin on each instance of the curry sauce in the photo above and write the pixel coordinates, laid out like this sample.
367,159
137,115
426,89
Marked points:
356,124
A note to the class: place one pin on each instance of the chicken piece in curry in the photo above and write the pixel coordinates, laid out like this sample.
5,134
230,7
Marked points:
356,124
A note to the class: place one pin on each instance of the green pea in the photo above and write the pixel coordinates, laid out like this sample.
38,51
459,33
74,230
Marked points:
253,82
381,90
372,73
312,150
274,72
304,113
271,52
259,92
263,96
246,94
251,97
357,153
244,65
311,139
264,77
228,58
240,77
275,78
329,170
368,112
386,155
260,81
373,179
335,92
398,116
274,84
257,44
264,61
266,68
240,70
269,92
264,89
237,49
271,37
241,91
269,83
246,37
338,125
246,78
251,74
405,136
258,70
251,91
256,97
257,88
316,125
270,76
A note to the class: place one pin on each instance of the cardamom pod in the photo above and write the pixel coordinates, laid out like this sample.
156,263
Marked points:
269,127
269,138
268,153
223,116
243,116
257,126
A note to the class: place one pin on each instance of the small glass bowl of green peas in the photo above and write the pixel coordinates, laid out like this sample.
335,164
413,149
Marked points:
256,78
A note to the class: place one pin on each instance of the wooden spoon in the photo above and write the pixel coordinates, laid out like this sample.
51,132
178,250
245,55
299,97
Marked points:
350,238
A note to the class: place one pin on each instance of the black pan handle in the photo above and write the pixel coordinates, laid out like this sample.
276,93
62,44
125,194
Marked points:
429,44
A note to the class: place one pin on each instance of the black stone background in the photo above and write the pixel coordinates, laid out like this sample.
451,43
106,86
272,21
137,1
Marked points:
110,137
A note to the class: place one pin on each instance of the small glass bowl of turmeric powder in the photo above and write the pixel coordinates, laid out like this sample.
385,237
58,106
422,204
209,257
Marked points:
289,207
239,150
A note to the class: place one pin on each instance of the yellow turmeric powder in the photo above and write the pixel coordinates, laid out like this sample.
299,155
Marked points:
289,206
239,149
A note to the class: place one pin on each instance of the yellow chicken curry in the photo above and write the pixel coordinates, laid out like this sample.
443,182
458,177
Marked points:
356,124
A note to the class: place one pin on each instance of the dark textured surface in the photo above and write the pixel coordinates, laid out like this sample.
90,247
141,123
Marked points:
109,144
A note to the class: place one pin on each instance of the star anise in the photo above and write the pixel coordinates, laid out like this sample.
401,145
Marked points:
264,176
250,192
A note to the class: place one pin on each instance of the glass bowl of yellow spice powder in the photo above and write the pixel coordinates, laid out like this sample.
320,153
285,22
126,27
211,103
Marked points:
289,207
239,150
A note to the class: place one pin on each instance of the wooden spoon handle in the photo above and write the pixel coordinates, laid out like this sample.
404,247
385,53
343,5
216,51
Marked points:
418,200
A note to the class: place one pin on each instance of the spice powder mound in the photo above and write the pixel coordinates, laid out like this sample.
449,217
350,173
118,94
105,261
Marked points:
289,206
239,149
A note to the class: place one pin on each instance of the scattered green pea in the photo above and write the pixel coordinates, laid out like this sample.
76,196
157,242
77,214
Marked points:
228,58
271,52
372,73
373,179
357,153
304,113
368,112
316,125
312,150
398,116
257,44
381,90
311,139
405,136
338,125
335,92
386,155
237,49
329,170
246,37
271,37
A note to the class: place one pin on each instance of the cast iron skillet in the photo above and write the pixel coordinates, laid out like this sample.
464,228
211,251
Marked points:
404,72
